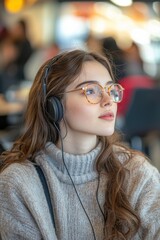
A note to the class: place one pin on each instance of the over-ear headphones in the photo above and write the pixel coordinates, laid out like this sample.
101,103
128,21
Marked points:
55,109
54,106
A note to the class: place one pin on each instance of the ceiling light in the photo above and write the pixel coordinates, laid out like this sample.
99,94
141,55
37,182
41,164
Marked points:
123,3
14,6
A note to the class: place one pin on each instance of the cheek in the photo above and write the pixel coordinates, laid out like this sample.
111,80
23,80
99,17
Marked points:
84,117
78,112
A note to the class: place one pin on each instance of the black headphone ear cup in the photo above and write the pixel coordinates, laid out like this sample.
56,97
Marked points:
55,109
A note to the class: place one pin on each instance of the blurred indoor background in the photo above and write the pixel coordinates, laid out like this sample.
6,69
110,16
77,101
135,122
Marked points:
32,31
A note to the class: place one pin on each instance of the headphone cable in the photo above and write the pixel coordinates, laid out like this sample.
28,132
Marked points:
73,183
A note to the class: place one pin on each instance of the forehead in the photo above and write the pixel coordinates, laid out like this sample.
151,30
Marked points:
92,70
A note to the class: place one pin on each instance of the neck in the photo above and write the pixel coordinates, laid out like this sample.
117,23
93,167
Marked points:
78,144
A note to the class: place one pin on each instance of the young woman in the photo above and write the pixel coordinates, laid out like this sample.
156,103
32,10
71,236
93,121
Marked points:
99,189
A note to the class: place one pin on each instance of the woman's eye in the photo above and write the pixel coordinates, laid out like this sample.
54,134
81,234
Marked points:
90,91
114,93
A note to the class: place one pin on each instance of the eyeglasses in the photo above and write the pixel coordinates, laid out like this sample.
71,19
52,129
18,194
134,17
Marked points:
94,92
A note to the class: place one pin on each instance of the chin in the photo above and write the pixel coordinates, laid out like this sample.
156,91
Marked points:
107,133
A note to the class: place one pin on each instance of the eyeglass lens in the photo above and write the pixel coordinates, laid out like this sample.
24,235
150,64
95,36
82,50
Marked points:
94,92
116,92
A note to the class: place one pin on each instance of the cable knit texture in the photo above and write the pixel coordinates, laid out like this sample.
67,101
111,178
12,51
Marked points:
24,211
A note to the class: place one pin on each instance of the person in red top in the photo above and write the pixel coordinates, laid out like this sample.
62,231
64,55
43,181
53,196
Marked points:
135,77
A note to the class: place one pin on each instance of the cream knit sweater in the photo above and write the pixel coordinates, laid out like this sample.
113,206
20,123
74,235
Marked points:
24,212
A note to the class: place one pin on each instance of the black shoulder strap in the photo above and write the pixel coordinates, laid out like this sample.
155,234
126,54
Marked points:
46,191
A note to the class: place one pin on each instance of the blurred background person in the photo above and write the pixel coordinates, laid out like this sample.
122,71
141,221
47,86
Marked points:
18,33
8,56
134,77
111,49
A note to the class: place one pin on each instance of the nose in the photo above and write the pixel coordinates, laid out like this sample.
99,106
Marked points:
106,99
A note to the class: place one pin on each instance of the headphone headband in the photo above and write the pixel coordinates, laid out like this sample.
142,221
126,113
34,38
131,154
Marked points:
46,73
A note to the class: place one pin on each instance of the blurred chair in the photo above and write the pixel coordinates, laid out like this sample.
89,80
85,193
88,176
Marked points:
130,84
142,121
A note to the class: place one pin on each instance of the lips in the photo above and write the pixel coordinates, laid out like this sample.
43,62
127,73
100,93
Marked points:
107,116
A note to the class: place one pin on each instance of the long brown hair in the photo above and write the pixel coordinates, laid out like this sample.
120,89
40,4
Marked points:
39,130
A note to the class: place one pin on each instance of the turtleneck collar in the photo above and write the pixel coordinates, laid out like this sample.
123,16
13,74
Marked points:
81,167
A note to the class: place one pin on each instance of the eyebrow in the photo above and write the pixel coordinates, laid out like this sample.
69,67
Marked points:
92,81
